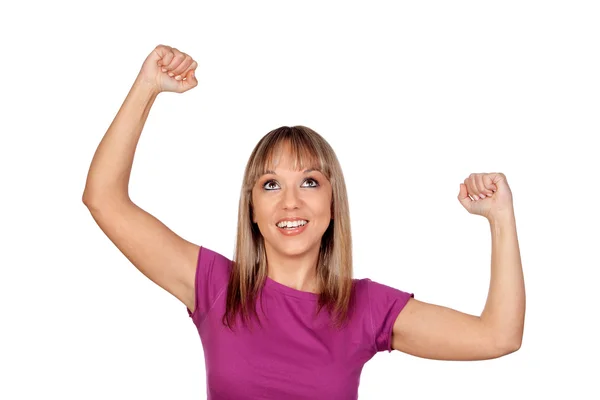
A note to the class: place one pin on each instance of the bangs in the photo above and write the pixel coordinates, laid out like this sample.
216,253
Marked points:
304,151
302,157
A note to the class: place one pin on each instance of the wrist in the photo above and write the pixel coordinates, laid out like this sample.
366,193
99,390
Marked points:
146,87
503,216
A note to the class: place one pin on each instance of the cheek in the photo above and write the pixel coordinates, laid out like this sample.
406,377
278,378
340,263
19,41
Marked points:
261,211
257,214
323,207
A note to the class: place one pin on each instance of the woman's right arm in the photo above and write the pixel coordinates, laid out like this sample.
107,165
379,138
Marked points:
156,251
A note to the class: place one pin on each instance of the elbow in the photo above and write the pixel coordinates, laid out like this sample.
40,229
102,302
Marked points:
512,347
94,202
508,344
88,198
505,338
90,203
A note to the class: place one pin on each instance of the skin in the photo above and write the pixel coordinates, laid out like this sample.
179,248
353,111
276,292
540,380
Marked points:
431,331
421,329
292,260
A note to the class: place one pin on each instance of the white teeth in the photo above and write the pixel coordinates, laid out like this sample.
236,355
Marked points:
291,224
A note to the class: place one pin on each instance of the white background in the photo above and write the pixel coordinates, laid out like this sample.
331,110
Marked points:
413,97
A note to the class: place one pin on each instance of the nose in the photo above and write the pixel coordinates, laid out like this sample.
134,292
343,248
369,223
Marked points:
290,199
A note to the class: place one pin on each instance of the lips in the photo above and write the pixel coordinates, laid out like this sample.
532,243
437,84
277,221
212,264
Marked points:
292,231
292,219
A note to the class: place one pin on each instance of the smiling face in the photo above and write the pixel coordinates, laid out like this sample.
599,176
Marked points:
288,194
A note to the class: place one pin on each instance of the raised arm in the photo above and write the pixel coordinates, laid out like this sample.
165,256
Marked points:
161,255
437,332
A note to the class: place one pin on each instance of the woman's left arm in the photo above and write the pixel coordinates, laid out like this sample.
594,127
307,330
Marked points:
437,332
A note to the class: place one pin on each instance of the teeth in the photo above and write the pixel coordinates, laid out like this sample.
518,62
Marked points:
291,224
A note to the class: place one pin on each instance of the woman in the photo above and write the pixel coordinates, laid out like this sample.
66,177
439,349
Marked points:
286,320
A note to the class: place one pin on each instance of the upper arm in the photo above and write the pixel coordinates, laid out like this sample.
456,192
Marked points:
436,332
156,251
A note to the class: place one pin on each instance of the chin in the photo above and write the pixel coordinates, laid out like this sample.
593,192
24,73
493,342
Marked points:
292,250
289,248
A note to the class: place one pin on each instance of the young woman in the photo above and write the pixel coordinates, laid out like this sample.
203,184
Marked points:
285,319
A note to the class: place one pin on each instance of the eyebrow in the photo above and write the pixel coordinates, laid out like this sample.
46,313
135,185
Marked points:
306,171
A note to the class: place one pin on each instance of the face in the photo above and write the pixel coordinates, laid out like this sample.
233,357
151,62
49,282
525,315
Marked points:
287,195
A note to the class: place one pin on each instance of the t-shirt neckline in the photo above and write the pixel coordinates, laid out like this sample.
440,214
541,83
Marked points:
288,291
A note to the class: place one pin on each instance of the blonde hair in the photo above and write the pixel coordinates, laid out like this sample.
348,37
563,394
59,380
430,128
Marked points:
334,267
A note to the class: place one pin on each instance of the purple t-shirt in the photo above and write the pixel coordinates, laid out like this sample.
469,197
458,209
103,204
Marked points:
295,355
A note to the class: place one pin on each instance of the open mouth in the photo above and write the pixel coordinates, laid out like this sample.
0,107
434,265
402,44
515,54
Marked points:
292,224
294,228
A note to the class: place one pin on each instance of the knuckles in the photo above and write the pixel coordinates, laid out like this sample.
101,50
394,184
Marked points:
178,56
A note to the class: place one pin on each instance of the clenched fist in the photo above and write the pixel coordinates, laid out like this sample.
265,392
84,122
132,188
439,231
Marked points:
486,194
167,69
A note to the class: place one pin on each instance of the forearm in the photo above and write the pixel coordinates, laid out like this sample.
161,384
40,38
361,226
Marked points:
110,170
504,311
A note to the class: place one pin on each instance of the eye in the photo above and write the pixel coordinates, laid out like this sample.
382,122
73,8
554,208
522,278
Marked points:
267,183
312,180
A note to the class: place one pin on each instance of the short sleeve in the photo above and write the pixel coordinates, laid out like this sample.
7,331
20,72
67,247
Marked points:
385,303
210,282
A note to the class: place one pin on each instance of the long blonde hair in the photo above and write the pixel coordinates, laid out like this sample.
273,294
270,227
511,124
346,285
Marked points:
334,267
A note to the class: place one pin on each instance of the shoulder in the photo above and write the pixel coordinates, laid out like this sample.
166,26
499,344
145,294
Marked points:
208,256
371,290
382,303
213,266
211,279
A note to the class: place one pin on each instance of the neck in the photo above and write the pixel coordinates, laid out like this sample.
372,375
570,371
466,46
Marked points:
296,271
